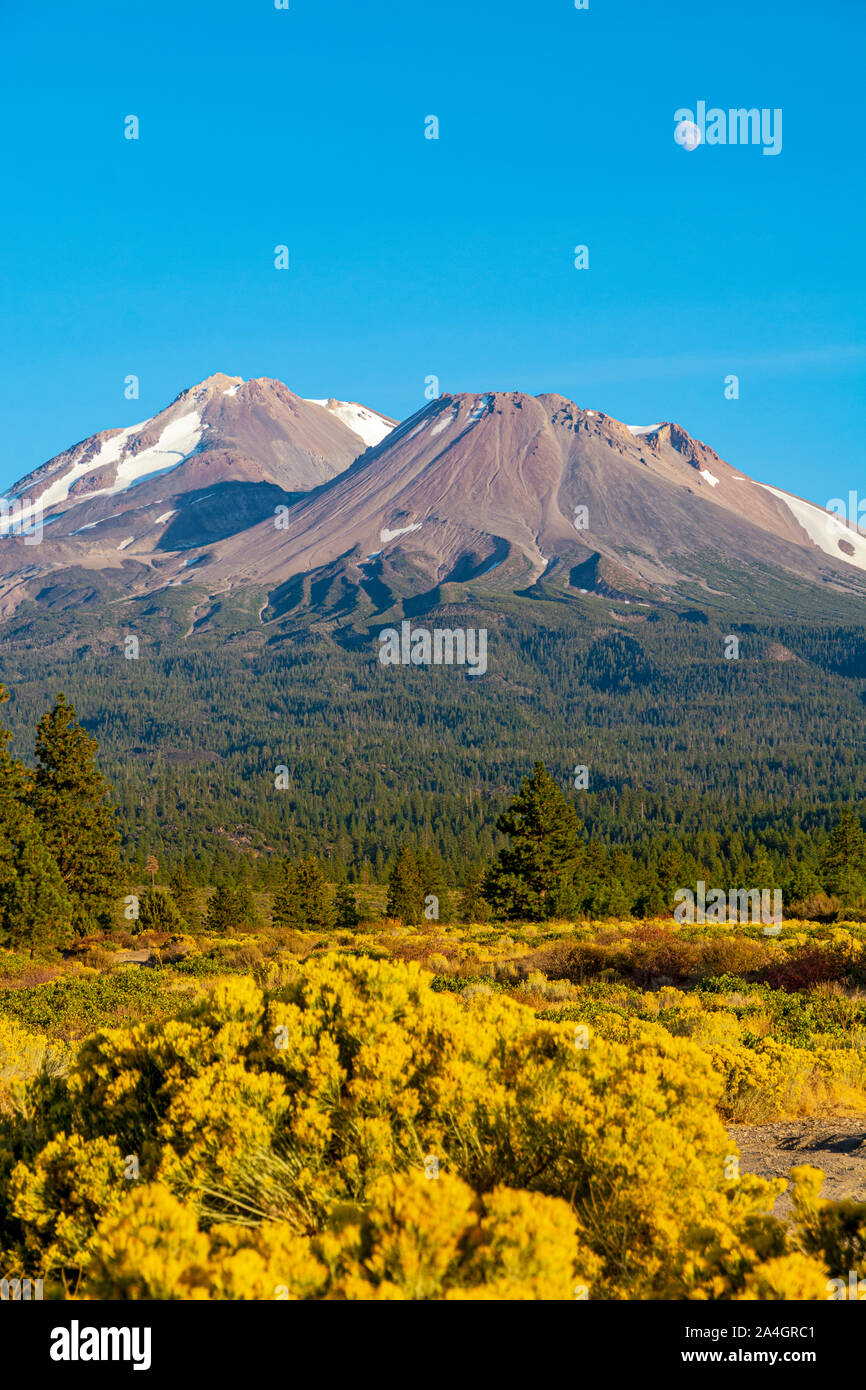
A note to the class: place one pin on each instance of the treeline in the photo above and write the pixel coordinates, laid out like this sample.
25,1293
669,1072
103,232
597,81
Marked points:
682,746
61,873
551,868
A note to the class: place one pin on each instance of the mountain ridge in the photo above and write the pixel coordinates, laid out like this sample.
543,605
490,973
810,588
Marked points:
256,486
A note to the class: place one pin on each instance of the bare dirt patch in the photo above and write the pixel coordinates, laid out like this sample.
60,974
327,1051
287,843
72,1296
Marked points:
837,1146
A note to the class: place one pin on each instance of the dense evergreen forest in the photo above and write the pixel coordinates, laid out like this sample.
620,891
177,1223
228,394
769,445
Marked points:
236,754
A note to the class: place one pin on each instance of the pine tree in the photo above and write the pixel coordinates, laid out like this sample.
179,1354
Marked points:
219,916
69,801
534,877
672,867
34,905
432,874
303,901
651,899
14,787
609,897
471,906
346,907
186,898
158,911
34,908
761,871
318,907
843,861
593,871
406,890
286,911
801,884
231,909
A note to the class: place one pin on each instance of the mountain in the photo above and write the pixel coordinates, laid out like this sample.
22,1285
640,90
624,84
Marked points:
257,608
239,445
502,493
533,495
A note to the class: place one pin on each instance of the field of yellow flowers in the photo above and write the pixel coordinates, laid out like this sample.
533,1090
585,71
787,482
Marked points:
472,1112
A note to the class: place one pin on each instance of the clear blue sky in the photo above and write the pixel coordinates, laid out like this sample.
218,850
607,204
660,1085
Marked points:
412,257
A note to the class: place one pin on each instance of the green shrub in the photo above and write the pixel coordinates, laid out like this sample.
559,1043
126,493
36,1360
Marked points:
79,1004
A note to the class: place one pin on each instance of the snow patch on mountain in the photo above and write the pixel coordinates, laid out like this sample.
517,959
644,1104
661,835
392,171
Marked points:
370,426
825,529
58,491
386,535
710,477
481,407
177,441
642,429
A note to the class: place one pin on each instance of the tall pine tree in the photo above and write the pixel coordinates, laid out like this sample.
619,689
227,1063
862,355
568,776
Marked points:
303,902
158,911
346,908
231,908
534,877
34,907
13,791
437,899
186,898
69,800
843,861
472,907
406,889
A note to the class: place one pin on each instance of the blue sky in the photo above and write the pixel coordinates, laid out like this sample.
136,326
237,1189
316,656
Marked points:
413,257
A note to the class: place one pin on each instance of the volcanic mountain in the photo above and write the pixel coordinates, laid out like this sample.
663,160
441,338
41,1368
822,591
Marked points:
501,491
145,486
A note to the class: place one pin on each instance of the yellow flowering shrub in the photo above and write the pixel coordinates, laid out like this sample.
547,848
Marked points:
418,1239
833,1231
23,1054
152,1248
787,1278
774,1079
71,1185
562,1158
182,1091
763,1078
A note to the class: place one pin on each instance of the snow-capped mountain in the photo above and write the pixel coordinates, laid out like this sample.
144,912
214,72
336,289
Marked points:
126,488
244,483
472,481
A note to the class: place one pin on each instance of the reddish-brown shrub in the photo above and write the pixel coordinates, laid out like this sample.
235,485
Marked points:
806,967
658,951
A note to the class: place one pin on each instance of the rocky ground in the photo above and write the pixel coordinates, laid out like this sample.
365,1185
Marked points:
837,1146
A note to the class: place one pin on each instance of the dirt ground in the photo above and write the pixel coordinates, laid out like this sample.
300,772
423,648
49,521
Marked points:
837,1146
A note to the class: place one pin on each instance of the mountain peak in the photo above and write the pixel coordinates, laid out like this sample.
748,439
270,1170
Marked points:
221,431
217,384
543,495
